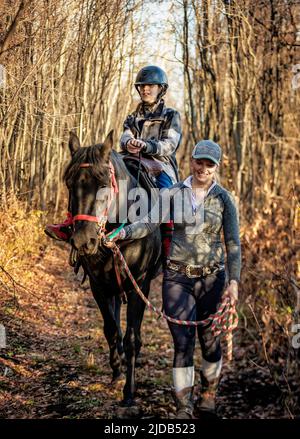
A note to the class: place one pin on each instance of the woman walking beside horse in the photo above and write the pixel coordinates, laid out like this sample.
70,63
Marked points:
195,281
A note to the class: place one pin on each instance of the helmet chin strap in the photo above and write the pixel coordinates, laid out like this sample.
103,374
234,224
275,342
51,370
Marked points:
162,92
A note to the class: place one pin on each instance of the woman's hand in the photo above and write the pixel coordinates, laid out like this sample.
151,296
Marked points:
110,242
232,292
134,146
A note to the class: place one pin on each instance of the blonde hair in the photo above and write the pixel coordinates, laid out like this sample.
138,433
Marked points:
217,176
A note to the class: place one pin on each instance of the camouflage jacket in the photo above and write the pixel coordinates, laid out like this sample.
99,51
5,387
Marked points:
197,235
160,129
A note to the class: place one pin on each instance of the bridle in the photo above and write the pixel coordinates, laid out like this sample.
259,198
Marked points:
100,220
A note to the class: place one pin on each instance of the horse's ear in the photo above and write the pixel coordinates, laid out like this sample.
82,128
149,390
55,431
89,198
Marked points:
108,143
74,143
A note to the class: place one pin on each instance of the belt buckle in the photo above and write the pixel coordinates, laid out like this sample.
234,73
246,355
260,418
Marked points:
188,272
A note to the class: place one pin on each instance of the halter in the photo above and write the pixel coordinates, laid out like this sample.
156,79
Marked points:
100,220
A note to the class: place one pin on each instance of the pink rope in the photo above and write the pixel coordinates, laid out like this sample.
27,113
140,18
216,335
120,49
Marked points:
224,321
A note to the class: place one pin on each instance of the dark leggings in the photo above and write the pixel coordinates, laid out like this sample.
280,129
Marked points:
187,298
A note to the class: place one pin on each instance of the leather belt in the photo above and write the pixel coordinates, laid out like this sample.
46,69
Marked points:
193,270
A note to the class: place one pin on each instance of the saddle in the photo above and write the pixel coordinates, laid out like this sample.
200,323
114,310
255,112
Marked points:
150,166
149,170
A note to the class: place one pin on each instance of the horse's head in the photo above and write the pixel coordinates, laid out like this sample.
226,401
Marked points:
87,173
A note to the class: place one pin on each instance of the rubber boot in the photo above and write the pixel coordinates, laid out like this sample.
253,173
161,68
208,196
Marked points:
207,401
184,403
60,232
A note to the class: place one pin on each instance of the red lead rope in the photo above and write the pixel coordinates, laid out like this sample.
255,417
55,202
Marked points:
224,321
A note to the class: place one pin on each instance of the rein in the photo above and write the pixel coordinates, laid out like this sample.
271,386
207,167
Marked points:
137,184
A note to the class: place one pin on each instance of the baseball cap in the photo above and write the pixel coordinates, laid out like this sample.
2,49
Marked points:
207,149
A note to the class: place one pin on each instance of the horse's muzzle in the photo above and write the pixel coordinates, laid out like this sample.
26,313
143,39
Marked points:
84,244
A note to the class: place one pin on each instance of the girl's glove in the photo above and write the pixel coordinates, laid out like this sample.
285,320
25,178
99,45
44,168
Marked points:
134,146
110,242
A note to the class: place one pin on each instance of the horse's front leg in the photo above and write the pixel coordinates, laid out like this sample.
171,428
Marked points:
132,344
117,313
111,332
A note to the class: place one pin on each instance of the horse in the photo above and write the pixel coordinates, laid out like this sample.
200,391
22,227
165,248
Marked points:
92,168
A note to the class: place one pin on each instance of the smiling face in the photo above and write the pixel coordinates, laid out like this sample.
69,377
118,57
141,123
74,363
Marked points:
203,171
149,92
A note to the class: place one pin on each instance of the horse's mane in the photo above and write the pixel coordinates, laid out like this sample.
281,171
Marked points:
119,165
100,169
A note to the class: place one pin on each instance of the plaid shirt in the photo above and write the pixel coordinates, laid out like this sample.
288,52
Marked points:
160,128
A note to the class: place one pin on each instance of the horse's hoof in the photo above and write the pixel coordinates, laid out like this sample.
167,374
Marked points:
127,402
128,409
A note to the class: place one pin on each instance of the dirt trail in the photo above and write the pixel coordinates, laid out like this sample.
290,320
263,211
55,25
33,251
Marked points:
56,361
